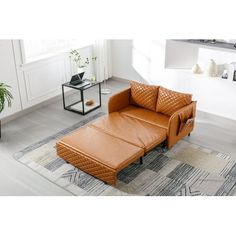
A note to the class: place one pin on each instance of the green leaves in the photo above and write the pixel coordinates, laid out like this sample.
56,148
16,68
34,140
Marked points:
75,56
5,96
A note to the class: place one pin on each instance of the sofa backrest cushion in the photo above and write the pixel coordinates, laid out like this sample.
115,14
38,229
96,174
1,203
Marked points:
143,95
169,101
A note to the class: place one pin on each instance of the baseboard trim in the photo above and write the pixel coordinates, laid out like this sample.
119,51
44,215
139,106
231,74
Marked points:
34,108
215,116
120,79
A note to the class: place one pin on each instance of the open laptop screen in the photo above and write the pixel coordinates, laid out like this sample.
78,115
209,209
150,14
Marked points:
77,79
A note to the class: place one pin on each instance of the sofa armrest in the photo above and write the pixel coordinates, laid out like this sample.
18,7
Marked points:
181,123
119,100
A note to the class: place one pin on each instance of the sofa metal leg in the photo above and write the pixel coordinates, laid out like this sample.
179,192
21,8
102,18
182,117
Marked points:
141,160
189,134
164,144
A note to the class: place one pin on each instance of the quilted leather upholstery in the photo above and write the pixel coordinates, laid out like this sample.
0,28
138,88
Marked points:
109,145
98,153
169,101
144,95
85,163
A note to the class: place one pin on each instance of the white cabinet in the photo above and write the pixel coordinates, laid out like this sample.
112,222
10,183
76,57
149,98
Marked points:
8,75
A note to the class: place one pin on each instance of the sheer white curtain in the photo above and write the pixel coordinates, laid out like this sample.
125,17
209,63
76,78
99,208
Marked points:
102,50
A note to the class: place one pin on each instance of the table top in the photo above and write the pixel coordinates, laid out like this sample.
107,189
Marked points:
83,86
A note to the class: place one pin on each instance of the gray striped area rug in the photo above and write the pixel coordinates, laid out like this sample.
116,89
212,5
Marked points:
185,170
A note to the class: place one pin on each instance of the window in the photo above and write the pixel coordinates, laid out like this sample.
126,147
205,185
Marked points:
38,49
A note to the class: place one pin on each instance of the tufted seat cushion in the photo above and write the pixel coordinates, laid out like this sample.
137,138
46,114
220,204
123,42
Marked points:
100,147
148,116
134,131
144,95
169,101
139,119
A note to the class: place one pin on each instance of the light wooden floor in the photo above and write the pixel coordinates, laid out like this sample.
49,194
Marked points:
15,179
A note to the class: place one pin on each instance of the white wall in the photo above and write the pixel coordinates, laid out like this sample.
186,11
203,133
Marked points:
145,61
38,81
141,60
42,80
121,51
180,55
8,75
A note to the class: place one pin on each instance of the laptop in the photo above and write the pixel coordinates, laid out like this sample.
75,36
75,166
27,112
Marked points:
77,79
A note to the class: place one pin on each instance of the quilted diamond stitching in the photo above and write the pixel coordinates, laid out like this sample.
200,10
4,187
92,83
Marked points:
84,163
144,95
170,101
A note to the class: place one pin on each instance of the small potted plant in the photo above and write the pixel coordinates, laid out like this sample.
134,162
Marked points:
80,63
5,97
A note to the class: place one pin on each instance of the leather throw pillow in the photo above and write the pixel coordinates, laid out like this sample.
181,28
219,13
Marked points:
169,101
144,95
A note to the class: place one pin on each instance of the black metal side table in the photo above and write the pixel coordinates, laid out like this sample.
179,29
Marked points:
80,106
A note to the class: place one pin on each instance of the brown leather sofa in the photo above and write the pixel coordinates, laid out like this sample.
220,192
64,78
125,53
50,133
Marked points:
173,111
139,118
